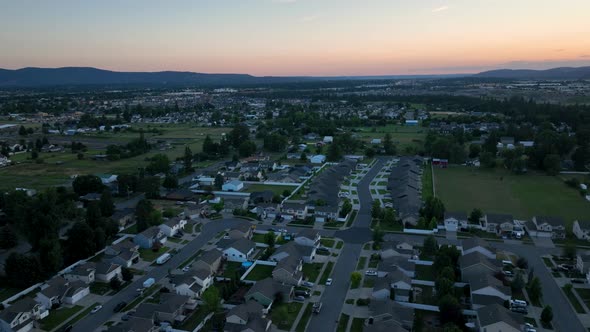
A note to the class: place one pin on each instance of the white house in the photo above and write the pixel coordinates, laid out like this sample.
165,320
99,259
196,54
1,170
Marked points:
239,251
581,229
193,283
318,159
308,237
328,139
172,226
455,220
234,185
107,178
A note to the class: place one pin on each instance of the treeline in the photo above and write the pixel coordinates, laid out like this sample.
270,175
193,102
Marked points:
134,148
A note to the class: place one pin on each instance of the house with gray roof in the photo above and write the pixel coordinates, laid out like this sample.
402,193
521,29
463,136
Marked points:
266,290
553,227
453,221
477,244
149,237
289,271
124,253
239,251
388,315
499,223
20,316
581,229
487,285
394,263
497,318
306,253
476,264
210,261
247,317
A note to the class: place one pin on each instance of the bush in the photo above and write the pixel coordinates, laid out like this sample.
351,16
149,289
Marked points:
363,302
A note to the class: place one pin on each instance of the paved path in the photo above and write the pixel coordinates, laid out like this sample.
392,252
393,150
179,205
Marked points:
335,295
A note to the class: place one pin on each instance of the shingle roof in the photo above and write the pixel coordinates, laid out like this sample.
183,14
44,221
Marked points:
269,288
474,242
496,313
242,245
475,258
456,215
487,280
498,218
553,221
210,256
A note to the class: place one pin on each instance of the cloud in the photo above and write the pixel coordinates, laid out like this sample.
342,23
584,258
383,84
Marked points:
310,18
440,9
585,56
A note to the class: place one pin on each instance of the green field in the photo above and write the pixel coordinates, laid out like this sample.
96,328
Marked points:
402,136
260,272
524,196
58,167
311,271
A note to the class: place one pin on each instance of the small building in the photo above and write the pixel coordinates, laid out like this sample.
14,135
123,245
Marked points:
149,237
411,122
496,318
581,229
454,221
266,291
172,226
239,251
234,185
308,237
328,139
318,159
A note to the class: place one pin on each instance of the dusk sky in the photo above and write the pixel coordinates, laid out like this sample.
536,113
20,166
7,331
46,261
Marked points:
296,37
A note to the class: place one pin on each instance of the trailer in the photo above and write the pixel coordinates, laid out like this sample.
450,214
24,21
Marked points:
163,259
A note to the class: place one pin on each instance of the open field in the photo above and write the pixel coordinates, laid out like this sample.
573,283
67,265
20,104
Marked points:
402,136
524,196
58,167
277,190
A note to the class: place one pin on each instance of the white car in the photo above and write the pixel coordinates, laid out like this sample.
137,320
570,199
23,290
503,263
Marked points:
528,327
186,268
96,309
371,273
329,282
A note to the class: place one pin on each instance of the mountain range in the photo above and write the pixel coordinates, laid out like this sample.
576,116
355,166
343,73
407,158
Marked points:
74,76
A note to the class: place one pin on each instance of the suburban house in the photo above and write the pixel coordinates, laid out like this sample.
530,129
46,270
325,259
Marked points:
58,290
318,159
241,231
231,203
266,291
499,223
265,196
291,211
239,250
123,217
107,179
583,264
476,264
210,261
83,272
266,210
124,253
388,315
552,227
247,317
193,283
326,213
394,263
21,315
476,244
306,253
234,185
288,271
171,308
401,285
581,229
454,221
149,237
135,324
486,285
105,271
496,318
308,237
394,248
172,226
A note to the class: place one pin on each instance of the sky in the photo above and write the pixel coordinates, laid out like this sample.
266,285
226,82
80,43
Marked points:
296,37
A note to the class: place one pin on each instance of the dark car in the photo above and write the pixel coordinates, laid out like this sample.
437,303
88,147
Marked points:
578,281
68,328
520,310
302,293
120,306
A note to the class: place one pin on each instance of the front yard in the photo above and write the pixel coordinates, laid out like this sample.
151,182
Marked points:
58,316
149,255
293,309
311,271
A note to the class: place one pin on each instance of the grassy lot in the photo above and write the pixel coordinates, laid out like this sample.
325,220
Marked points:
311,271
304,318
548,262
424,272
327,273
342,323
357,324
573,300
257,237
130,230
360,265
402,136
260,272
277,190
293,309
149,255
339,245
326,242
99,288
373,262
58,316
369,282
524,196
584,294
427,189
195,319
231,268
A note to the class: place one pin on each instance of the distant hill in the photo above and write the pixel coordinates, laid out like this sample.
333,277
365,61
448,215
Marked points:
35,77
562,73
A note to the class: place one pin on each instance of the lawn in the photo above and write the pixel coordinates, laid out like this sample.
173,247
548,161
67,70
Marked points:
149,255
195,319
403,136
584,294
427,189
357,324
360,265
425,272
58,316
277,190
230,269
99,288
326,242
548,262
130,230
339,245
374,261
343,323
524,196
293,309
327,273
258,237
311,271
260,272
369,282
304,318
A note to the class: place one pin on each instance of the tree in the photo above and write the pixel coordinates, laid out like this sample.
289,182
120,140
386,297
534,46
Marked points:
159,163
517,283
127,183
80,242
126,274
547,315
433,208
240,133
247,148
22,131
93,214
522,263
50,256
474,150
8,238
115,283
355,279
389,216
444,287
377,237
218,207
370,152
188,159
334,153
388,145
286,193
450,310
269,238
535,290
22,270
142,214
346,208
475,216
376,212
170,182
430,246
487,159
552,164
570,249
218,183
85,184
211,299
107,206
303,156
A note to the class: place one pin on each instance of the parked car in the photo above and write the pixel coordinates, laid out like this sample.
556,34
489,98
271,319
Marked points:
508,273
528,327
125,317
371,273
307,284
520,310
302,293
186,268
120,306
317,307
578,281
329,282
299,298
96,309
518,303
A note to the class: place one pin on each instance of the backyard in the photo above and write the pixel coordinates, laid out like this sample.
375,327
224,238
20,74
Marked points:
277,190
260,272
293,309
524,196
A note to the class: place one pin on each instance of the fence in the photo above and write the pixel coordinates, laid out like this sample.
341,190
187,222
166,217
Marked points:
256,262
420,231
